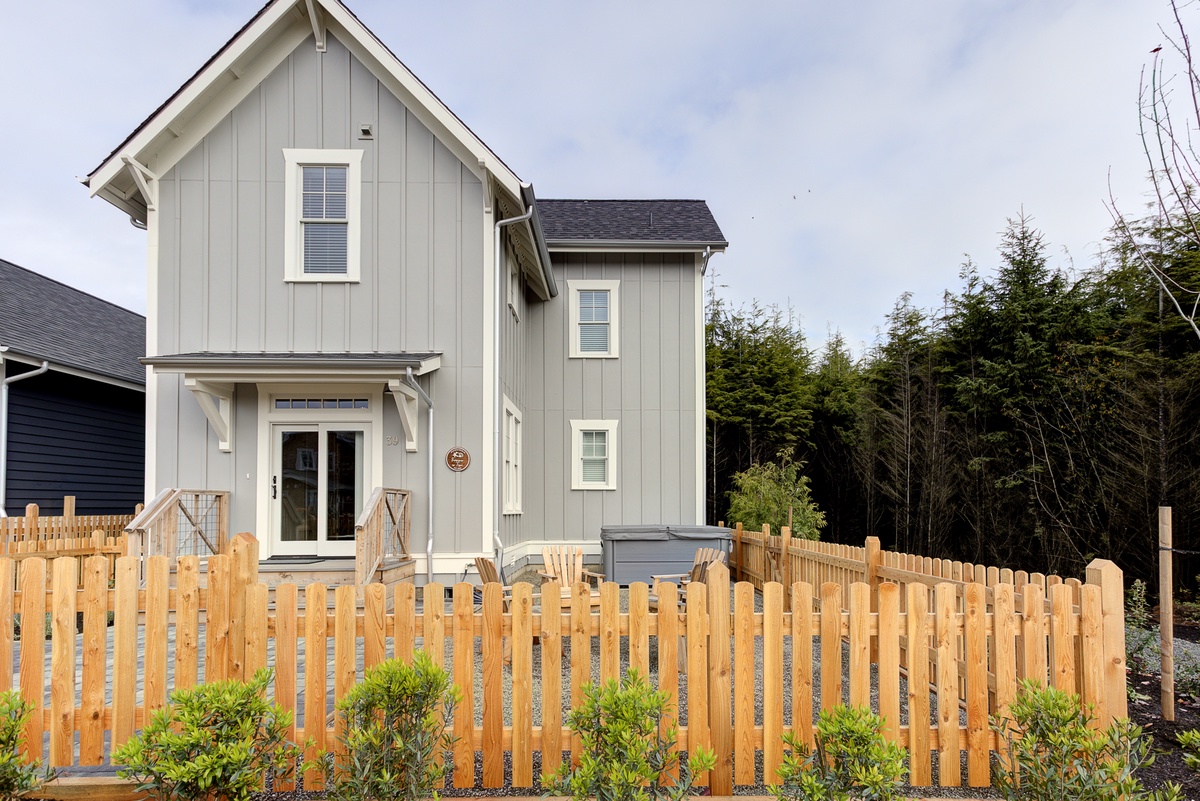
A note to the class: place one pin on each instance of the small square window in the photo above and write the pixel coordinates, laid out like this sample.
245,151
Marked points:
593,454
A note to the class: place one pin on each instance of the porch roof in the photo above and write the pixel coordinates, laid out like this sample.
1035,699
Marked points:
288,366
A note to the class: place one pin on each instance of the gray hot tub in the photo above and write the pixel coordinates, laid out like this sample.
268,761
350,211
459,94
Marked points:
635,553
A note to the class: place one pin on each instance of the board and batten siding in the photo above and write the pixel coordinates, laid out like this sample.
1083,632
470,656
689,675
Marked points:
514,349
221,287
71,436
650,389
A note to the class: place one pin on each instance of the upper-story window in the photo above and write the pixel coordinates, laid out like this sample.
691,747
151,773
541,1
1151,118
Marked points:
323,218
593,319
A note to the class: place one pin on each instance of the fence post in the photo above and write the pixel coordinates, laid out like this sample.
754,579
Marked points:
31,526
719,673
1111,581
1166,613
737,551
785,562
871,562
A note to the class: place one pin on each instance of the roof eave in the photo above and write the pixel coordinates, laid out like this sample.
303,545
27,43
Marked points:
634,244
539,236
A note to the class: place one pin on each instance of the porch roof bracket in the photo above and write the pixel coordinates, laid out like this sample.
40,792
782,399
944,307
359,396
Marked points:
406,404
216,401
147,181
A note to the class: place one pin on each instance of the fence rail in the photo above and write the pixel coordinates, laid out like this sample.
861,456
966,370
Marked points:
63,536
381,532
712,645
181,522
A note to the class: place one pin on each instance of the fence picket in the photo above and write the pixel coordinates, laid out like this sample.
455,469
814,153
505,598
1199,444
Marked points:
345,651
697,671
949,770
1033,631
315,666
374,625
552,643
860,645
62,664
831,645
639,628
125,658
522,684
610,631
772,672
1062,639
464,678
975,640
493,686
187,622
717,583
405,605
286,635
916,623
889,655
95,659
743,683
802,668
216,621
1091,631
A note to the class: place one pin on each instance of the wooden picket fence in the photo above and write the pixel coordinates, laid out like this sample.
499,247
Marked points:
64,536
722,645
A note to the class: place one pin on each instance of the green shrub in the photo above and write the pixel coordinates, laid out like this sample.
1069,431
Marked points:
393,733
215,740
1053,752
625,757
1189,741
17,777
769,493
1141,634
852,760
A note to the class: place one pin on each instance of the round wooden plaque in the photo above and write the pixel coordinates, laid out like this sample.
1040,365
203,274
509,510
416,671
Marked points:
457,459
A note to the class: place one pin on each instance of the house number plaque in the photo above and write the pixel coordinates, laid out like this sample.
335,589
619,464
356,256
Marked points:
457,459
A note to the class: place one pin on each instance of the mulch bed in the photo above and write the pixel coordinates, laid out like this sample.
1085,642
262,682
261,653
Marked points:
1168,763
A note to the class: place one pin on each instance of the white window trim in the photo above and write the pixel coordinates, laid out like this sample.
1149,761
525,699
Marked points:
577,429
293,249
512,472
614,318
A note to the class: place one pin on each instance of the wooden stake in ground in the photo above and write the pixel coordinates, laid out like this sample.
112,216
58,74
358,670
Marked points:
1166,613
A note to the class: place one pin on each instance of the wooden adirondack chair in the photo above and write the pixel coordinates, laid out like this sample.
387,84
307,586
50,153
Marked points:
704,559
564,567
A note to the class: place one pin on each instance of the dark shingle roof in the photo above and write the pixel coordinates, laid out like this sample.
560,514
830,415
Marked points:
661,222
45,319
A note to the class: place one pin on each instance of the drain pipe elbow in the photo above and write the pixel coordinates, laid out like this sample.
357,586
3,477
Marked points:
412,382
12,379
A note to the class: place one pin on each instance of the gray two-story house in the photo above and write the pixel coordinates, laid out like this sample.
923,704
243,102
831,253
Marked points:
348,290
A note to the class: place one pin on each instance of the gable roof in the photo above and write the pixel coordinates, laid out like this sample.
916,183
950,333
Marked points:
244,61
43,319
642,223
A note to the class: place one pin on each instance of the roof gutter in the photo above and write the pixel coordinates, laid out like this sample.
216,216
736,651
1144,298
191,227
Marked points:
539,237
497,396
12,379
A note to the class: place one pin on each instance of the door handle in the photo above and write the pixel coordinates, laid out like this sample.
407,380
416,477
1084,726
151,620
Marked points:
274,487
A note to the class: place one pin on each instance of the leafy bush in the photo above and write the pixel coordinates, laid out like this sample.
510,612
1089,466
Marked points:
393,733
625,757
1053,753
768,493
852,760
215,740
1141,635
17,777
1189,741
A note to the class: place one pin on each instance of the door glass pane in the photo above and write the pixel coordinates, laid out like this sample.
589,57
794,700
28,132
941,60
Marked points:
345,478
298,486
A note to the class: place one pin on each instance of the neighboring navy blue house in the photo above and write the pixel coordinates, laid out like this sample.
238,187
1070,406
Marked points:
73,403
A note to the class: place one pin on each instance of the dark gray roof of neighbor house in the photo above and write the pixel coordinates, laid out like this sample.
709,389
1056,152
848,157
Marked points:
650,222
44,319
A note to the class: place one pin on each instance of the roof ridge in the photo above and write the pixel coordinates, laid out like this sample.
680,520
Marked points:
76,290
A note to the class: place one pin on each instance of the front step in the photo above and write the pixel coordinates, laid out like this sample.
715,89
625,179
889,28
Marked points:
396,571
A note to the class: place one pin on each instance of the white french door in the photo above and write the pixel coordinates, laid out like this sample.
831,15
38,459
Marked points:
319,482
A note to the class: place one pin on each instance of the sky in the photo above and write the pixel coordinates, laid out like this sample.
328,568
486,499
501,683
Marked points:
850,151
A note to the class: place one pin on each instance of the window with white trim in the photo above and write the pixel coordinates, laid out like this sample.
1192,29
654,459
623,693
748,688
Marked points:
593,454
323,219
593,313
512,458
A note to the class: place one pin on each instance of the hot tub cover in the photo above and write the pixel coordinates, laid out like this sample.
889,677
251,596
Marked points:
664,532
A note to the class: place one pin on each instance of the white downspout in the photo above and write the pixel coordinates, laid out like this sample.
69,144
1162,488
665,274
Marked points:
497,395
12,379
412,382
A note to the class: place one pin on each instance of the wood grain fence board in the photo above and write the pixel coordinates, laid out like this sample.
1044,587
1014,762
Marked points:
610,631
975,638
8,610
315,668
666,620
1004,648
522,684
62,664
1091,637
1062,639
157,614
286,635
464,679
639,628
743,683
95,659
187,622
216,621
404,602
493,686
719,688
345,652
1033,632
257,621
889,659
860,645
552,643
697,672
433,600
581,655
772,672
831,645
125,655
1109,578
802,667
949,770
374,625
33,647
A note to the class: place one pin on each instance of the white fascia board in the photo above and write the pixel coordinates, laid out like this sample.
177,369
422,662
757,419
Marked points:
604,246
417,97
36,361
203,102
